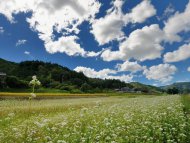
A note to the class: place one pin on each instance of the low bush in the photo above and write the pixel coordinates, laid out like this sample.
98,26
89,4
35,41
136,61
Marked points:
14,82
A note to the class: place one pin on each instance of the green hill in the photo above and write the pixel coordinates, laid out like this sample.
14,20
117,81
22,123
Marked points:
183,87
54,76
7,67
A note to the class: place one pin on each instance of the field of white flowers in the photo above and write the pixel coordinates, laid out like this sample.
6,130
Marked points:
157,119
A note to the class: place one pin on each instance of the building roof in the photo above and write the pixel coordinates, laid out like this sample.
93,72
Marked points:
2,74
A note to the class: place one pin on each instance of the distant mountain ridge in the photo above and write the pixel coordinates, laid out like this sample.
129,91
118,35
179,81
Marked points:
183,87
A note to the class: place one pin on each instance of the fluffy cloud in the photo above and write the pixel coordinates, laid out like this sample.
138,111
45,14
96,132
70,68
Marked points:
21,42
188,69
65,44
142,44
141,12
1,30
27,53
62,16
161,72
130,66
108,55
95,74
179,55
110,27
103,74
179,22
69,46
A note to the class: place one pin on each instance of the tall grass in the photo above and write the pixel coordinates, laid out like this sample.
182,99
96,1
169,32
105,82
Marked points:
186,103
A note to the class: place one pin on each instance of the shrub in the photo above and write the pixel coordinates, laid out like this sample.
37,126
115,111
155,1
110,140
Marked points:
54,84
173,90
85,87
14,82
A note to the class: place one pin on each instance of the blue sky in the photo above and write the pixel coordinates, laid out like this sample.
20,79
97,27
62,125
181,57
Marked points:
131,40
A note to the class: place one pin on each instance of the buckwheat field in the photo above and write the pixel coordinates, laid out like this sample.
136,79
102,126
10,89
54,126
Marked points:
155,119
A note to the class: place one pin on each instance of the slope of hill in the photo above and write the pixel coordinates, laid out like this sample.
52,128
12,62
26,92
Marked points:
59,77
183,87
7,67
54,76
146,88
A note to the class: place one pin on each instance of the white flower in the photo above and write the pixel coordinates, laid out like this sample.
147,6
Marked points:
33,95
61,141
35,81
11,114
38,82
32,82
34,77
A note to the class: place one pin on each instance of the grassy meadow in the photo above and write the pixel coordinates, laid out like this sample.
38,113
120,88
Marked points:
111,119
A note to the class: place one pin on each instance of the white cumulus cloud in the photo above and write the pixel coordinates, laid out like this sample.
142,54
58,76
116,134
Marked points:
177,23
181,54
162,72
130,66
108,55
66,45
142,11
108,28
103,74
142,44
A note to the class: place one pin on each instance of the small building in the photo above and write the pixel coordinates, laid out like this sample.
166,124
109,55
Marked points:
127,90
3,74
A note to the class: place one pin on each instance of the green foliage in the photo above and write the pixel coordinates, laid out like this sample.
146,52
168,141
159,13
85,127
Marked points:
8,67
186,103
14,82
85,87
173,90
183,87
54,76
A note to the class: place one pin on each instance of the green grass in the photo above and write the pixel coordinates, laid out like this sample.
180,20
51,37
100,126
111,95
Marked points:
40,90
41,96
186,103
186,107
103,119
51,95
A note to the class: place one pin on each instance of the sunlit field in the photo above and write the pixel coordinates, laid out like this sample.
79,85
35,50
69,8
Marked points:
6,95
152,119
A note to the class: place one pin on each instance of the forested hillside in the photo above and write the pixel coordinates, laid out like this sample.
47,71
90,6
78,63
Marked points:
54,76
181,87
